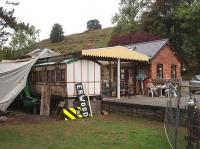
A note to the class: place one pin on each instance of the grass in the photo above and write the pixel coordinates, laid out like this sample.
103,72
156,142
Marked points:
111,132
75,42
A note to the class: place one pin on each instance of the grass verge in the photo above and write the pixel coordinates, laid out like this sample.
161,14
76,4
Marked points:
111,132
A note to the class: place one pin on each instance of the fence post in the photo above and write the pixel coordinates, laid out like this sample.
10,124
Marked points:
177,115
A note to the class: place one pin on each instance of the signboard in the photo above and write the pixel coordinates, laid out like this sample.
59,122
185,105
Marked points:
82,109
72,113
85,107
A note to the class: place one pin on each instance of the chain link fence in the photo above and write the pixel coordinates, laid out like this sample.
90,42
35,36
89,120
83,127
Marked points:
182,118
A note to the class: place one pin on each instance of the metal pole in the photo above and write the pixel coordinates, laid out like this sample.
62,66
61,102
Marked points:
118,79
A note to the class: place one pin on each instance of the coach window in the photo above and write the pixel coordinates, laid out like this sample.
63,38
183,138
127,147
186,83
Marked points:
44,76
40,76
49,76
159,71
58,75
34,76
62,75
52,76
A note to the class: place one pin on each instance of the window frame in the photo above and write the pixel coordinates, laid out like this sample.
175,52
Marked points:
173,69
159,71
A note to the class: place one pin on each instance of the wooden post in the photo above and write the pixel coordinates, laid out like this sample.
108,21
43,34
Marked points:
118,79
45,100
87,90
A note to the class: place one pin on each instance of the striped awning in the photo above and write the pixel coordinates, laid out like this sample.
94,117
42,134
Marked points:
117,52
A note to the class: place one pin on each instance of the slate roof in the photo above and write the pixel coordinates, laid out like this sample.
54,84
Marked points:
148,48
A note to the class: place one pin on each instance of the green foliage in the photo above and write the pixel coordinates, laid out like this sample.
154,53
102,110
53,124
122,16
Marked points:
93,25
21,43
5,53
8,21
57,33
189,16
177,20
23,39
180,22
128,18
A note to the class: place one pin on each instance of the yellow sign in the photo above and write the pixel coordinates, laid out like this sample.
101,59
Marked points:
72,113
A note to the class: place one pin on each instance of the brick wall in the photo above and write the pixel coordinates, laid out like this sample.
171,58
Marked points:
166,57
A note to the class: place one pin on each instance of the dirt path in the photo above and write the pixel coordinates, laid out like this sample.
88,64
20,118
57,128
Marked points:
21,118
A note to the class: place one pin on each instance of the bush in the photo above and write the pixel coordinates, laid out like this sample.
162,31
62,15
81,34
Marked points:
132,38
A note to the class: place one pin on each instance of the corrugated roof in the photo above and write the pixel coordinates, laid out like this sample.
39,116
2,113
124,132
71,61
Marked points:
117,52
48,53
148,48
67,61
44,64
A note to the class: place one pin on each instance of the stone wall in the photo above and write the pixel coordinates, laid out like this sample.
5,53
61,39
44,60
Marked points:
152,112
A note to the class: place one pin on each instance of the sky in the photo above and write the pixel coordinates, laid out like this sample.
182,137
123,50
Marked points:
71,14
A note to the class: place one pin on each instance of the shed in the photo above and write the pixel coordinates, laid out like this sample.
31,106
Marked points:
62,77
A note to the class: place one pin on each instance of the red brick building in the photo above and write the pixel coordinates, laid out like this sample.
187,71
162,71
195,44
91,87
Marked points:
164,64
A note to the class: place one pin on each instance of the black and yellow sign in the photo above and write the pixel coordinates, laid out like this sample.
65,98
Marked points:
72,113
83,109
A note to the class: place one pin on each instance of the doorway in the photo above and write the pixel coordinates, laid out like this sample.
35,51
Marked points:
127,81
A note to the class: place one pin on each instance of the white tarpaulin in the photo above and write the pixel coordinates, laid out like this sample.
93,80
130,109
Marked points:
13,77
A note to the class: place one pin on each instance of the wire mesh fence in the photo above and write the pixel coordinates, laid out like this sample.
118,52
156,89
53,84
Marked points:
182,118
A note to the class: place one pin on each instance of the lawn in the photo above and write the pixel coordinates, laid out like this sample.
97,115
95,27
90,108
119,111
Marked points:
101,132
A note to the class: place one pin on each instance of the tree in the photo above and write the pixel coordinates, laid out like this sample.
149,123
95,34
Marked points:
177,20
22,42
128,18
8,21
93,25
57,33
24,39
189,18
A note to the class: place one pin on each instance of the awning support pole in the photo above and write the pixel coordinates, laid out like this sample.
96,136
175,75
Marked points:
118,79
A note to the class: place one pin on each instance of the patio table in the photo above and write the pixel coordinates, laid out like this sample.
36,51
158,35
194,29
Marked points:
161,87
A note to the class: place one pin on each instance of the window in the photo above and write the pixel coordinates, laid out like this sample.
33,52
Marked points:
39,76
52,76
122,74
35,76
49,76
159,71
44,76
173,72
60,75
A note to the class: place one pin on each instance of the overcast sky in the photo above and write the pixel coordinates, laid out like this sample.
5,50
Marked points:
71,14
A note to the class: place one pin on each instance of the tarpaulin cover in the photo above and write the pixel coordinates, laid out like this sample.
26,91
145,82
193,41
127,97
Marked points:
13,77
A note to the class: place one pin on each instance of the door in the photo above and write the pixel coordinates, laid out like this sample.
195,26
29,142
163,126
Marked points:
124,81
